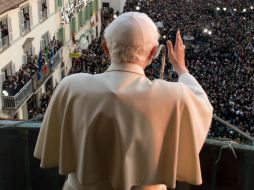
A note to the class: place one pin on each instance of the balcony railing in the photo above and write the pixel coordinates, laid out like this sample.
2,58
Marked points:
57,58
13,102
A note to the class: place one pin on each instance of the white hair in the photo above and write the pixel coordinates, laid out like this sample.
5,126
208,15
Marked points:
131,37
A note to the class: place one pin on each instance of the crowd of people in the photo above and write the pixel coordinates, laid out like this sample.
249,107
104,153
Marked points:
219,38
220,56
15,83
36,111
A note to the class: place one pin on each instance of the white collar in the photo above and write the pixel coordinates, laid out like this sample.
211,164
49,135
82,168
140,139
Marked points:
126,67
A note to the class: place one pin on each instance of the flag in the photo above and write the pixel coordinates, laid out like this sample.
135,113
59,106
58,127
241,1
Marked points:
40,63
46,53
44,69
51,57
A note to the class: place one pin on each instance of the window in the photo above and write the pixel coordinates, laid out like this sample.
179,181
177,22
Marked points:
25,19
27,55
7,70
43,10
4,32
45,38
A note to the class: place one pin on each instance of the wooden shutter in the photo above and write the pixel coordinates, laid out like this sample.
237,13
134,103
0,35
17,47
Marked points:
21,22
87,12
73,24
63,35
80,21
42,44
13,70
49,38
91,9
96,5
33,50
47,4
39,10
10,30
31,16
24,59
1,45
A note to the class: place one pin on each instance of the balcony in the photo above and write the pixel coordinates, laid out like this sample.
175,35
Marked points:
221,170
13,102
12,99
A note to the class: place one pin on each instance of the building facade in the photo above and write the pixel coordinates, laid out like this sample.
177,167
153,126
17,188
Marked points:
36,39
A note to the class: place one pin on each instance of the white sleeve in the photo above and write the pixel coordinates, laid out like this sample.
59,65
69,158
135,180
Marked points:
196,119
188,80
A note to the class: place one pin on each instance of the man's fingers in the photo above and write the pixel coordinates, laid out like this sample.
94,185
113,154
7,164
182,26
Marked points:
179,41
170,51
170,47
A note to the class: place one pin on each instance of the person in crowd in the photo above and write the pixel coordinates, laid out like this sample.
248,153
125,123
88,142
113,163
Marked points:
118,129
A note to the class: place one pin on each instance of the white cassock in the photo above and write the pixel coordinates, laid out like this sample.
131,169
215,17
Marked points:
116,130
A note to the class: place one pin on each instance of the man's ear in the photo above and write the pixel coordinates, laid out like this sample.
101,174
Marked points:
152,53
105,47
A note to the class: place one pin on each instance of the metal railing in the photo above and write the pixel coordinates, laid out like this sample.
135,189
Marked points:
13,102
224,131
229,125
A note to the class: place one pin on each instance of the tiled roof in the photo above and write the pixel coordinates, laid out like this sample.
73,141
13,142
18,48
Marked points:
6,5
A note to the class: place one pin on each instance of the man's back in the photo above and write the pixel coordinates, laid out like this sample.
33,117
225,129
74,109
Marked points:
121,127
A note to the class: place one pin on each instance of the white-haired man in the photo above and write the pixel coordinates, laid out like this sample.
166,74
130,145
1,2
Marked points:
119,130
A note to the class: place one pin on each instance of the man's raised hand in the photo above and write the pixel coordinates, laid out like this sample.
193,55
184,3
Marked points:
177,54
